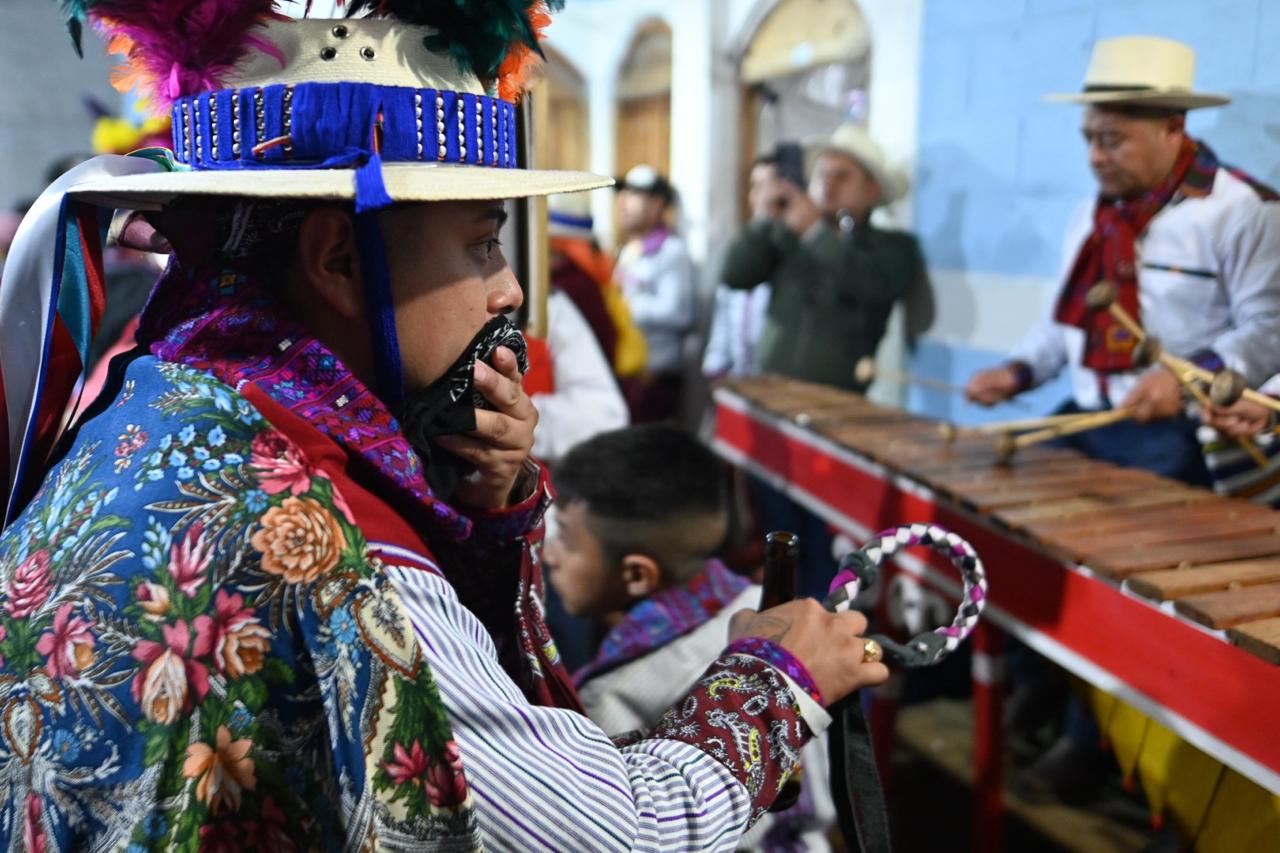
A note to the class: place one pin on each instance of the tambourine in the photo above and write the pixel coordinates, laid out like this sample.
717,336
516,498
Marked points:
860,570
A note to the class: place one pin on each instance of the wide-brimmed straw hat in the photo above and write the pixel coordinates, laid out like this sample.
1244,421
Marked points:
298,116
852,140
1146,71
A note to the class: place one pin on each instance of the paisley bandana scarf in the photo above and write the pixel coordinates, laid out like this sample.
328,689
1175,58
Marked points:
1109,255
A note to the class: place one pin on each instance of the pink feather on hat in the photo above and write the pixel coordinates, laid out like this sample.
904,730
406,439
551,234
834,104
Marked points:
174,48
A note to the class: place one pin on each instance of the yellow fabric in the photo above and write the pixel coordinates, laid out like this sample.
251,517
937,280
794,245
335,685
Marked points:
1208,803
630,354
1243,817
1178,779
1125,731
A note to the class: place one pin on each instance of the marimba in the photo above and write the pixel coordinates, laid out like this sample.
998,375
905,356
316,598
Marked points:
1164,596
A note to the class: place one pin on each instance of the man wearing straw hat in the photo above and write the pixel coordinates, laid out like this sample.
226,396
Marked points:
835,276
274,591
1191,245
1192,248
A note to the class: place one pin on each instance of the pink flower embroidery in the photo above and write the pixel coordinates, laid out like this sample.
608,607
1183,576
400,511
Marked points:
30,585
68,648
163,688
154,600
279,464
240,640
189,561
445,784
32,831
409,766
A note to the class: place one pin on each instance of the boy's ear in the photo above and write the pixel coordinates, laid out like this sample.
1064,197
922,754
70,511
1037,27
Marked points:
641,575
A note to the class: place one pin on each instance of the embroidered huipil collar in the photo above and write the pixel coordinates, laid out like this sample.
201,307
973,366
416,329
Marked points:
228,324
665,616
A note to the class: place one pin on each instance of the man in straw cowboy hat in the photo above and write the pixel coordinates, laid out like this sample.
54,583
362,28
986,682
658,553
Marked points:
1192,247
274,591
835,276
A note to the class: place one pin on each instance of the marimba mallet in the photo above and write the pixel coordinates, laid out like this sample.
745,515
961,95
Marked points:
866,371
950,432
1008,444
1228,386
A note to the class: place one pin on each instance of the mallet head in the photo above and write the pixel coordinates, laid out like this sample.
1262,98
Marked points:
865,370
1227,387
1147,352
1101,296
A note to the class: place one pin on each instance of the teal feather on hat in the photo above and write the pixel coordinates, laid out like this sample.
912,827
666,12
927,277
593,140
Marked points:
479,34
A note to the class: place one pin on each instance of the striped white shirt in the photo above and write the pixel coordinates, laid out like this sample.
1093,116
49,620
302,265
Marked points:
549,778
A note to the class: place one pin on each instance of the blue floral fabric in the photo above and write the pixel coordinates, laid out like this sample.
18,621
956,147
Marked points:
198,651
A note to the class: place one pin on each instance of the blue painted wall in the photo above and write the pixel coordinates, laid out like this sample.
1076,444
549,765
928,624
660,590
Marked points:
999,170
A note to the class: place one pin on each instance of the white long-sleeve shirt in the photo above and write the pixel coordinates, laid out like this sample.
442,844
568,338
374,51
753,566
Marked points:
736,324
636,694
586,400
658,284
1208,279
550,778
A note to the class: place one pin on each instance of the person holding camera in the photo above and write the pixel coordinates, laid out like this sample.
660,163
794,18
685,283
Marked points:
835,276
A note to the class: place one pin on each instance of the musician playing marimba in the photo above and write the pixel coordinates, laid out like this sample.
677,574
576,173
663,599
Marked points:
1190,245
1191,249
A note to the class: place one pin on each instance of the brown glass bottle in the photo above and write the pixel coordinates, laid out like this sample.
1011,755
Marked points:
781,563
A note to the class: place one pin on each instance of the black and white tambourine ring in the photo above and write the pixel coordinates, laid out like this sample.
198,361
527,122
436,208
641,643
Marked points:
861,569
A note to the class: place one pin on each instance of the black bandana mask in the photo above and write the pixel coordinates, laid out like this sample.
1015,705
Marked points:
448,405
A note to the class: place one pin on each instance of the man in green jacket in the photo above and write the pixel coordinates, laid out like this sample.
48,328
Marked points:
835,276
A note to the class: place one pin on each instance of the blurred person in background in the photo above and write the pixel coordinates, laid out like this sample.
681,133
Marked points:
739,315
656,275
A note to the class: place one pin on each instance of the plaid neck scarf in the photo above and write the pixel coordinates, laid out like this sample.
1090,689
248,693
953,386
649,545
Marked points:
1108,255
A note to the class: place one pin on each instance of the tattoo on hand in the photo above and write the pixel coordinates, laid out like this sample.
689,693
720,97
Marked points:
765,624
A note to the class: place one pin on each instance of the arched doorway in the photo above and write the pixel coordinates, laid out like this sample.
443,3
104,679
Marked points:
644,100
804,71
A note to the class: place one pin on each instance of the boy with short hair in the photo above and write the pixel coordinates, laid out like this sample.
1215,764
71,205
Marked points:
642,511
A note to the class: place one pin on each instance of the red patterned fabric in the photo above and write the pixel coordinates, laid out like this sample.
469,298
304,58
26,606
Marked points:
742,713
1108,254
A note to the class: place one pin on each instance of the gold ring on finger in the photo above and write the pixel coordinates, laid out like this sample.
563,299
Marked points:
871,651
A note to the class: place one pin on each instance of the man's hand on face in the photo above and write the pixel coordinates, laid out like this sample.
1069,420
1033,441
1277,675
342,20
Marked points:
1242,419
829,644
1157,396
502,439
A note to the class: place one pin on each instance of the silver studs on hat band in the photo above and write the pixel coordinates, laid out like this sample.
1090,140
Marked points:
259,119
417,119
440,137
479,131
235,124
462,130
213,127
494,153
328,53
287,131
340,31
186,132
368,54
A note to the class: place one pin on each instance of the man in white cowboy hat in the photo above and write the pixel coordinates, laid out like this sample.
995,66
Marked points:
274,592
835,276
1191,245
1192,248
656,276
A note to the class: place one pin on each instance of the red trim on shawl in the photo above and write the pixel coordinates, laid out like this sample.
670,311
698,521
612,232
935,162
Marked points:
376,519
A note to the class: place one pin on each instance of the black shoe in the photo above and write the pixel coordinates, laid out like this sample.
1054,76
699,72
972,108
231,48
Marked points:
1069,773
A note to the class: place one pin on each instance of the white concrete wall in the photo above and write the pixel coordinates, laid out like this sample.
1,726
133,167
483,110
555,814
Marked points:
42,112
